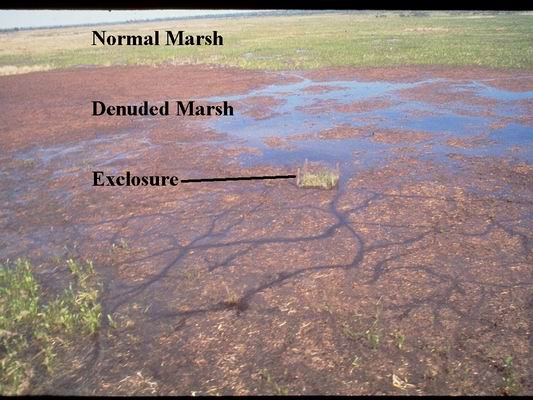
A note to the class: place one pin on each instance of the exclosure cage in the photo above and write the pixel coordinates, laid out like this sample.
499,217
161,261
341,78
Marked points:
317,177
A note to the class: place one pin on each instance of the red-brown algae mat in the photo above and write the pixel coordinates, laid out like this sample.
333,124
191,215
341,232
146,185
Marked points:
412,277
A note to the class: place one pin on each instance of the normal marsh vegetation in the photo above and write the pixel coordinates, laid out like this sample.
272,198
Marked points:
309,41
35,326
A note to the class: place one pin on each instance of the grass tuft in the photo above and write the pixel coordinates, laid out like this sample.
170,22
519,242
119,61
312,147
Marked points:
279,389
320,179
373,333
510,381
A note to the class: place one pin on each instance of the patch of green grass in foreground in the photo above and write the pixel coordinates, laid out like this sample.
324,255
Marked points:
34,326
510,381
295,42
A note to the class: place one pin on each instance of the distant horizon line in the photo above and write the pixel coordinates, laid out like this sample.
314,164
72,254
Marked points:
231,14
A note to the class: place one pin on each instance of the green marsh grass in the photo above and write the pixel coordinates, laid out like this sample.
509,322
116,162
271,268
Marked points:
34,325
510,381
366,39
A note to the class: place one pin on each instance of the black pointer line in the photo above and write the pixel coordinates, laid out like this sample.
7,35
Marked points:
239,178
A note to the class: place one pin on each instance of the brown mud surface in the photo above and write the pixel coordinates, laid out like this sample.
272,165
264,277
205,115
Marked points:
468,143
347,131
59,115
440,93
260,107
362,106
399,136
413,277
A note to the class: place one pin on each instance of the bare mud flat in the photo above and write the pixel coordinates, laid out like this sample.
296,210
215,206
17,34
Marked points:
414,276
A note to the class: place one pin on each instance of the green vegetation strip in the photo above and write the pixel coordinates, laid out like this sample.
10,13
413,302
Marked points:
295,42
34,326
